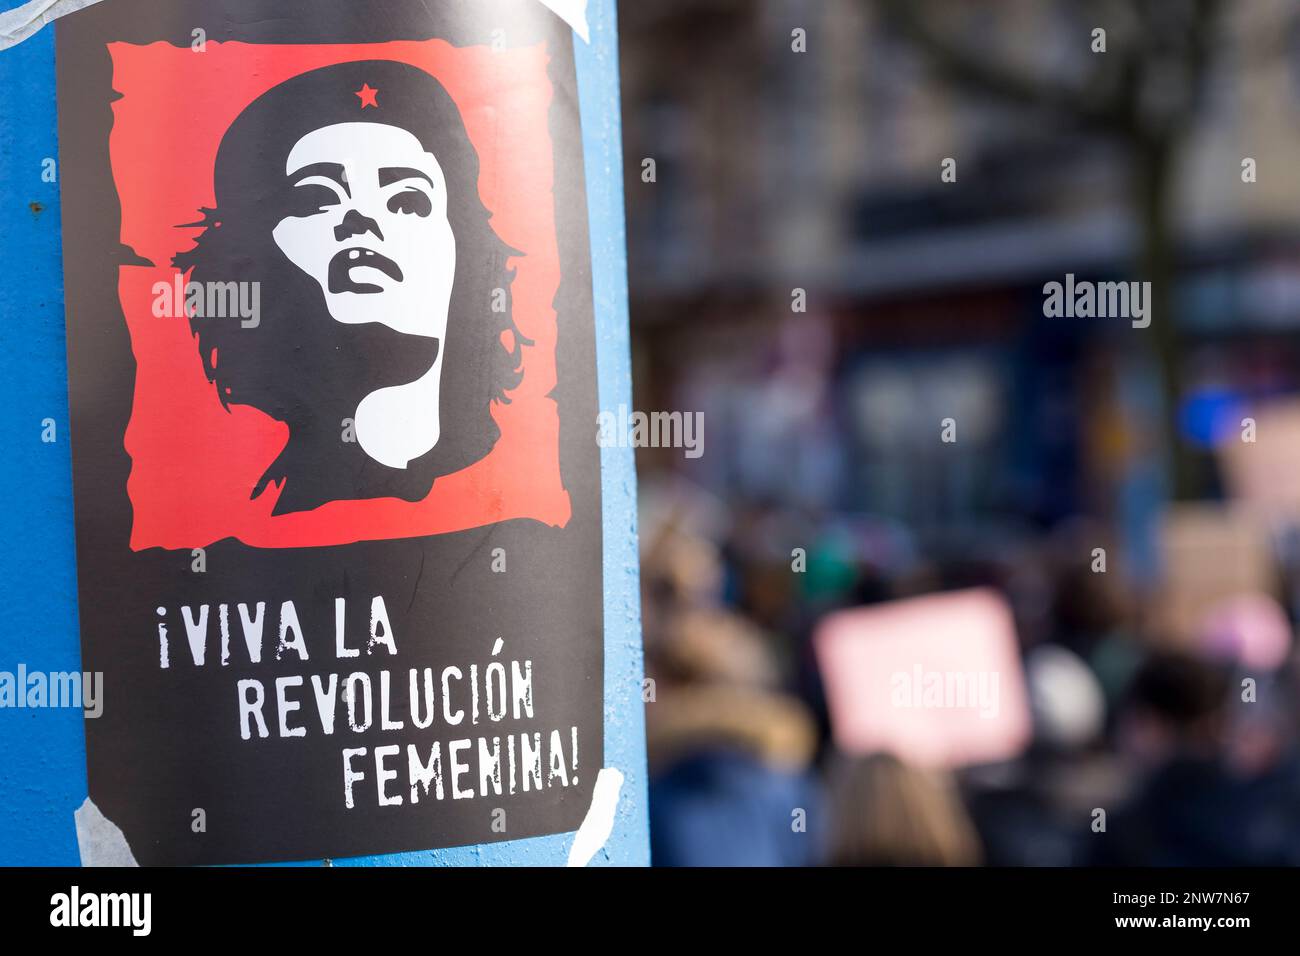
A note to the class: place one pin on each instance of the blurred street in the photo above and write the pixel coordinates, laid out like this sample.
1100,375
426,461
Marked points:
960,577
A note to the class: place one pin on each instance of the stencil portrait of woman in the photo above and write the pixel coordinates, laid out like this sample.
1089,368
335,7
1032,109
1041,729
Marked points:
350,194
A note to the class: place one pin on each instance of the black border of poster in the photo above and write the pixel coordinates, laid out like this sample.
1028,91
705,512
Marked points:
168,744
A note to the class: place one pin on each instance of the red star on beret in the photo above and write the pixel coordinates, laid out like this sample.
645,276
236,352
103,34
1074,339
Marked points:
367,96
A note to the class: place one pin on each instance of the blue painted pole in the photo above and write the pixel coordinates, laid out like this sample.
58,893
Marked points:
42,751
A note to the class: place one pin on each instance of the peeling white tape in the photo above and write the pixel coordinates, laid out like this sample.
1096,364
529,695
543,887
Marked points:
20,23
100,840
598,824
574,13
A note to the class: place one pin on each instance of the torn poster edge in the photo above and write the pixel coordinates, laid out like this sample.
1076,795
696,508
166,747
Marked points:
100,841
598,824
21,22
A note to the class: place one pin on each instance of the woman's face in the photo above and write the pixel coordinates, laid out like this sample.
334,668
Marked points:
368,222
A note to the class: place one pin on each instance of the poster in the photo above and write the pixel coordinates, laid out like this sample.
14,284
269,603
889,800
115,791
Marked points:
332,382
1260,462
1211,554
935,680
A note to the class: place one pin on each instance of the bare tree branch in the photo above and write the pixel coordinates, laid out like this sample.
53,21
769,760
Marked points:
1101,104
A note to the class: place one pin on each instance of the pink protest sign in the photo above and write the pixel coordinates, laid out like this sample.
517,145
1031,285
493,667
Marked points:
936,680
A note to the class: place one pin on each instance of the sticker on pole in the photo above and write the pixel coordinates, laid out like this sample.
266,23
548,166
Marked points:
331,363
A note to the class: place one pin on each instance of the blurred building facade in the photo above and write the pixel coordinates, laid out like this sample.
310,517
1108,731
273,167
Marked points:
778,171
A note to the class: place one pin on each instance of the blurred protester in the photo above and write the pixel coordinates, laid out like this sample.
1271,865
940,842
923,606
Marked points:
1265,743
1192,809
1094,614
1027,812
1250,634
730,756
1248,630
681,567
887,813
1065,699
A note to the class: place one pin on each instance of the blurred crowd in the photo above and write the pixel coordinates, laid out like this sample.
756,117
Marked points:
1148,746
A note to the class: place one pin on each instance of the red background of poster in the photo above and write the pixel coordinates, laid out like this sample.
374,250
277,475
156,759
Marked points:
193,463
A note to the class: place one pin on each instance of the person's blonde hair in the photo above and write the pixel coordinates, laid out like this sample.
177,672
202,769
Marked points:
887,813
